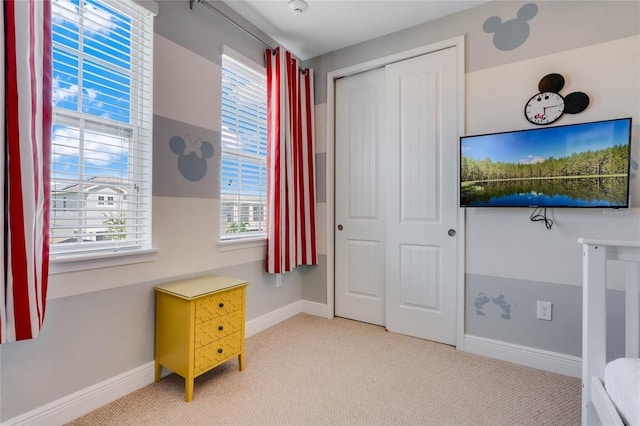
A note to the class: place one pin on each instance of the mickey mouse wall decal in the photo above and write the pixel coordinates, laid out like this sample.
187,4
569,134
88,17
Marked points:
511,34
192,157
548,106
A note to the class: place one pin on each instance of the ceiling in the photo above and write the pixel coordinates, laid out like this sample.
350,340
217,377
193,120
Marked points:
329,25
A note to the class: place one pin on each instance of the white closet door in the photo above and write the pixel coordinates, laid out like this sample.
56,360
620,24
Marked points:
359,210
420,153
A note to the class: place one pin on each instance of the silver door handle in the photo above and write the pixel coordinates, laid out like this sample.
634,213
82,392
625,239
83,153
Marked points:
452,232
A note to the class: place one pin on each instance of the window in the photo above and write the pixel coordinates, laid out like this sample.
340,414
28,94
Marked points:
244,148
258,213
101,131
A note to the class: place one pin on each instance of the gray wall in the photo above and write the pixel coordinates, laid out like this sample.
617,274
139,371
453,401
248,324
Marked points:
594,45
504,309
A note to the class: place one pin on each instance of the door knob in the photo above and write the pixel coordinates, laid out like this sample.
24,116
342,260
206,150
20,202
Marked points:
452,232
339,227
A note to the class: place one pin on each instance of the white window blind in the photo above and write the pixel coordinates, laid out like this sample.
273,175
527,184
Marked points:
244,150
102,123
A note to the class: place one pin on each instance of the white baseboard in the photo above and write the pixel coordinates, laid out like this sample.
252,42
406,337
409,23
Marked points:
82,402
79,403
272,318
315,308
554,362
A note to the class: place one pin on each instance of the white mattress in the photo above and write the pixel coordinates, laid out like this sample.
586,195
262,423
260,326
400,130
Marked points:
622,382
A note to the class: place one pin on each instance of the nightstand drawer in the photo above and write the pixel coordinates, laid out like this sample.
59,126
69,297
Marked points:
217,328
216,305
209,356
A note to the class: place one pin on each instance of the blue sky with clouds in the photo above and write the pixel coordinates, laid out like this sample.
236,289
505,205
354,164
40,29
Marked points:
537,145
101,88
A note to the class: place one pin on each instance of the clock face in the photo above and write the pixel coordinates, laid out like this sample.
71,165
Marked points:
544,108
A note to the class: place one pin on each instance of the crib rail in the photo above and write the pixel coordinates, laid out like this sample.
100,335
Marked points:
595,256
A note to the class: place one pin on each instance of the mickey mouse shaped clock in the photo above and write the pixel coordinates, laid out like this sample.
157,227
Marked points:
548,106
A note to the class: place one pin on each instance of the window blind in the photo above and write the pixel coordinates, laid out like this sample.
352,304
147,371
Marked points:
102,124
244,150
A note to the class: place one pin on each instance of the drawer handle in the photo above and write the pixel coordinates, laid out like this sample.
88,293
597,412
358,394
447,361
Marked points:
221,328
220,350
221,305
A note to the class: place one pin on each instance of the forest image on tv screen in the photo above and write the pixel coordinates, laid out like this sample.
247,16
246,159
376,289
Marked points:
581,165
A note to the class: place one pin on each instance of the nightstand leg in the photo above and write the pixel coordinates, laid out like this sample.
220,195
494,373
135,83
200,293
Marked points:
158,371
188,384
241,361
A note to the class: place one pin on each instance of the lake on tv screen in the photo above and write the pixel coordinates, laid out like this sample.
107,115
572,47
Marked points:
577,192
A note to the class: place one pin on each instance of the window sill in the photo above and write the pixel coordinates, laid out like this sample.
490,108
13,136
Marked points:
85,261
239,244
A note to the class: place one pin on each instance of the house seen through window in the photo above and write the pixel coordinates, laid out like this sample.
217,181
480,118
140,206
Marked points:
243,178
101,131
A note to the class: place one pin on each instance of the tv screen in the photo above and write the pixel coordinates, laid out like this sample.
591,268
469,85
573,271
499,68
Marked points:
578,165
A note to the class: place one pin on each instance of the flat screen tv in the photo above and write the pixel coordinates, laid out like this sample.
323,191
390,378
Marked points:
577,165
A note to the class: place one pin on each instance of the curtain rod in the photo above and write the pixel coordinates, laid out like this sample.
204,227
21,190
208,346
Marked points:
231,21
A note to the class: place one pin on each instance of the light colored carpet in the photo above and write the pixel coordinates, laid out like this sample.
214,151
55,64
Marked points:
314,371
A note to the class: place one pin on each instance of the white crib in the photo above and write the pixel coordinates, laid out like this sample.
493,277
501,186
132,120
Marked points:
596,253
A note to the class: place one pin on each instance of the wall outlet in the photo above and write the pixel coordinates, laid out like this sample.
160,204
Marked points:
544,310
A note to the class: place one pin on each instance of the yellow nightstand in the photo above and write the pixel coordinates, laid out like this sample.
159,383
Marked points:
199,325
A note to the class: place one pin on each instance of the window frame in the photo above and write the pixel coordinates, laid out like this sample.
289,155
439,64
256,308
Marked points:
82,256
252,239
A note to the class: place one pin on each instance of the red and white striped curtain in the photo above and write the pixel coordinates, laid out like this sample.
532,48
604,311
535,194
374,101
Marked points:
26,71
291,198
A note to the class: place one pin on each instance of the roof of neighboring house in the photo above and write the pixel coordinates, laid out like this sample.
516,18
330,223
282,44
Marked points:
96,183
